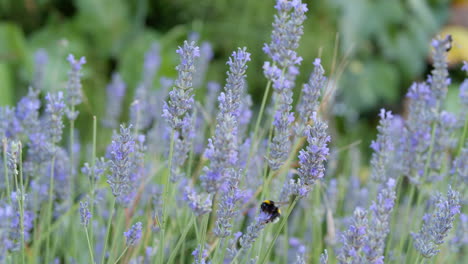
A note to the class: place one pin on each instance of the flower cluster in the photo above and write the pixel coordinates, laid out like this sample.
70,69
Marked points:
133,235
436,226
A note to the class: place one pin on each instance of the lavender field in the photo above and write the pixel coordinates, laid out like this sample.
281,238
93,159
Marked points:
185,169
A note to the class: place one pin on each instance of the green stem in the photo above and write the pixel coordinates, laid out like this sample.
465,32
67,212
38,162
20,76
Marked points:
21,200
462,140
50,203
181,239
203,234
5,167
90,248
93,176
121,255
118,227
109,222
167,183
278,230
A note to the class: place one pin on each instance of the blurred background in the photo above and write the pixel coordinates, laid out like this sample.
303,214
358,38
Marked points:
372,49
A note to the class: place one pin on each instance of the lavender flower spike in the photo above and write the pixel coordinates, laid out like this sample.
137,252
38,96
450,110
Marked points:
223,147
309,101
287,31
437,225
181,97
55,108
383,148
74,93
354,239
133,235
200,204
439,80
311,160
253,231
228,205
121,153
379,226
85,214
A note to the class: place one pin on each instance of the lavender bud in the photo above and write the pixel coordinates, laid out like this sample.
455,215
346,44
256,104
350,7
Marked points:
228,204
436,226
253,231
133,235
379,226
200,204
181,97
85,214
354,239
309,100
439,75
74,93
121,153
311,159
382,158
223,147
55,108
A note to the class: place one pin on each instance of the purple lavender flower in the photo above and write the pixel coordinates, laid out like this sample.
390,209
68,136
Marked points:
382,157
133,235
309,101
354,239
418,130
437,225
439,80
115,94
199,258
151,64
121,164
311,159
253,231
181,97
9,125
97,171
379,225
199,203
55,108
85,214
41,59
27,112
74,93
228,205
287,31
223,147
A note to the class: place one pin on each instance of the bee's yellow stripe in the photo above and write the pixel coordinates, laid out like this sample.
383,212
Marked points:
267,201
279,211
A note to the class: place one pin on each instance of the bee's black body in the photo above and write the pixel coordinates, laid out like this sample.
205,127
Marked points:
271,209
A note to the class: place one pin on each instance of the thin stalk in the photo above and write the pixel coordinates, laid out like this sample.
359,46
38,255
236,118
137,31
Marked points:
93,176
181,239
394,215
463,137
21,200
167,183
278,230
205,219
5,167
121,255
109,222
50,204
118,227
89,246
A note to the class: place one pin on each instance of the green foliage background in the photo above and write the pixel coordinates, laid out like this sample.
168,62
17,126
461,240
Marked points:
384,44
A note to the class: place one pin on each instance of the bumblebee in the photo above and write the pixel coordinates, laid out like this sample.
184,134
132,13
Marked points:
272,210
